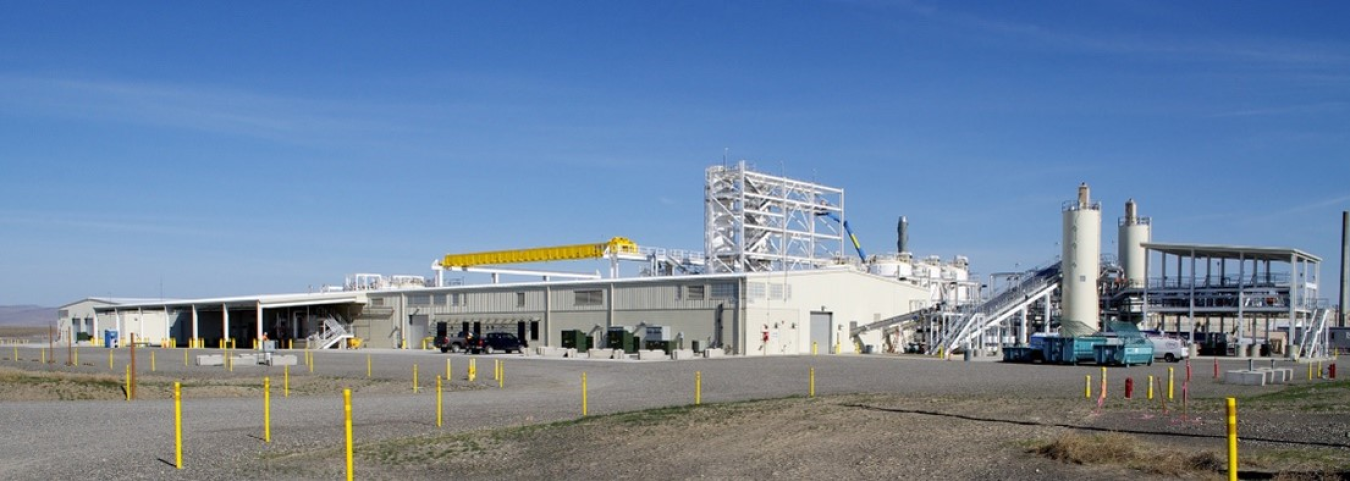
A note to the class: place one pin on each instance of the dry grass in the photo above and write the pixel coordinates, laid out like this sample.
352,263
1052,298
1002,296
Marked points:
1128,451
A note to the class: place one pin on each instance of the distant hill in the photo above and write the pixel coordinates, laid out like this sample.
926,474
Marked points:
27,315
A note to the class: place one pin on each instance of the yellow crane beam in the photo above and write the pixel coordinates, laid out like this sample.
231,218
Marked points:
616,246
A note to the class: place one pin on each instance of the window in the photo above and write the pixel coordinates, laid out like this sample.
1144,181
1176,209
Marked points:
776,291
454,299
520,299
756,290
590,297
694,293
63,313
377,301
419,299
723,290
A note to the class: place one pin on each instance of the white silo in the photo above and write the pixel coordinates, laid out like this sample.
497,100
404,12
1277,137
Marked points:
1081,256
1134,232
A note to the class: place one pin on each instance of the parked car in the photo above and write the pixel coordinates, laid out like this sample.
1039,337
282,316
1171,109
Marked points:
1169,349
447,342
494,342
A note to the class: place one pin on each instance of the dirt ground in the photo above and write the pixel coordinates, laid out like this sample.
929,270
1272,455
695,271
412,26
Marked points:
850,436
1299,432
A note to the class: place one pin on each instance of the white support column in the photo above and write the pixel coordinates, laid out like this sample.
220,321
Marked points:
225,323
1242,298
259,324
1190,308
1022,331
194,321
1294,322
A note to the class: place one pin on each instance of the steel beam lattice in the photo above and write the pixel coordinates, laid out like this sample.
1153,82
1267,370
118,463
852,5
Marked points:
756,222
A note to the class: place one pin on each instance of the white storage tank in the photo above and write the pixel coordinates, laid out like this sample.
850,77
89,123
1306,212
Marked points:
1134,232
1081,257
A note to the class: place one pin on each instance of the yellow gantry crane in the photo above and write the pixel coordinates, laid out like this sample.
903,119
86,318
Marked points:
618,248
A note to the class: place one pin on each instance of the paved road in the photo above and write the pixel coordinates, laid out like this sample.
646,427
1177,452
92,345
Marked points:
120,440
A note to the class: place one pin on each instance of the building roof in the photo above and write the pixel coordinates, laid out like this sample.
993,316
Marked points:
302,299
1218,251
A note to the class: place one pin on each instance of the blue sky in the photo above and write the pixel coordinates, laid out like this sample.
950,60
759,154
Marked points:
192,149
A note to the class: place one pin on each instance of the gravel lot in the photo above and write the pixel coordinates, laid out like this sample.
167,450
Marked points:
886,416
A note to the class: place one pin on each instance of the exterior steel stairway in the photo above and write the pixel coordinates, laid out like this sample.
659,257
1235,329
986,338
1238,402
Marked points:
970,323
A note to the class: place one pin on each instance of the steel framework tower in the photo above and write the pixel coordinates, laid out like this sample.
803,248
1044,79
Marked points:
756,222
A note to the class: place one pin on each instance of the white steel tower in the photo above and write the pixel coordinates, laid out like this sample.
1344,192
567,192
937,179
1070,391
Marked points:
1080,263
756,222
1134,232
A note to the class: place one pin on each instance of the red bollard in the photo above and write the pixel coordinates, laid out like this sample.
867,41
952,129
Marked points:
1129,388
1331,371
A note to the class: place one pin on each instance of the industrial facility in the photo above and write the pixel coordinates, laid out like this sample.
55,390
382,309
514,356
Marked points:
782,273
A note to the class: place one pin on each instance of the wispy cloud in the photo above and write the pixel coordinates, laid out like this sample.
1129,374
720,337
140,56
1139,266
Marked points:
198,108
1313,108
1247,50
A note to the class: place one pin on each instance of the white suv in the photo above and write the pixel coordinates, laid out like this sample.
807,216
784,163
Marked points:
1169,349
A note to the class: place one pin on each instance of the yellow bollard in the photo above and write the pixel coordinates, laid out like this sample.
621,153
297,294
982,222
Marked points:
496,368
583,392
267,409
152,361
347,414
698,387
177,426
77,356
110,360
367,364
44,355
128,383
1103,381
501,374
473,369
438,401
1232,440
812,390
1150,387
185,356
813,348
1319,369
286,381
1310,371
1087,386
309,356
414,378
447,370
1170,384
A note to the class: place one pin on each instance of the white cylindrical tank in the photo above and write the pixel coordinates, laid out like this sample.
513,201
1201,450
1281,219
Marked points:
885,265
1080,265
1134,232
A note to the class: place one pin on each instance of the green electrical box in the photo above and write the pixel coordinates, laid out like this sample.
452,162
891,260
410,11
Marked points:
576,339
620,338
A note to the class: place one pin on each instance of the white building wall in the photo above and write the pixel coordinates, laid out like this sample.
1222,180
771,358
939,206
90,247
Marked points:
849,296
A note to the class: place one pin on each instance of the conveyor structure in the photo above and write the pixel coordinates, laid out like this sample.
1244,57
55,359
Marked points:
617,247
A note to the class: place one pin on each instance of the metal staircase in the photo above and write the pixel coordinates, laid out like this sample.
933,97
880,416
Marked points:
332,335
1311,345
972,322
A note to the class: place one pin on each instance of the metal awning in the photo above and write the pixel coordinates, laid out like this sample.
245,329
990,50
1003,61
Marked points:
1217,251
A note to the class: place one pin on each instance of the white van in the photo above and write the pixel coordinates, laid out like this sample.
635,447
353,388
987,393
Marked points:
1169,349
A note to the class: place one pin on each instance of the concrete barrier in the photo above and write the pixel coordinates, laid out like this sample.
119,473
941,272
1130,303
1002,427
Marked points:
600,353
210,360
682,354
281,360
550,352
1245,378
714,353
652,355
618,354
